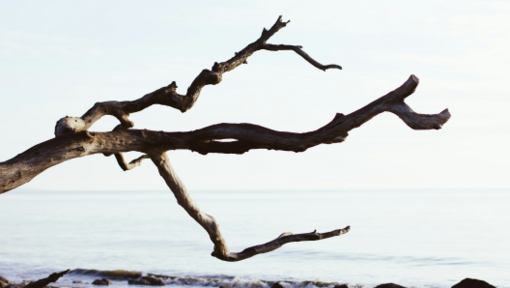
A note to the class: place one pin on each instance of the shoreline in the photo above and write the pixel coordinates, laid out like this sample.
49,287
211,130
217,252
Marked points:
87,278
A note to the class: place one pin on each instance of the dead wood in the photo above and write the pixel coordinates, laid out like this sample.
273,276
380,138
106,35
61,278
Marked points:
41,283
168,95
211,226
73,139
27,165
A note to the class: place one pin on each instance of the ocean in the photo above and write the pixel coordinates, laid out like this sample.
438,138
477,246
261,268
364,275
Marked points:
415,238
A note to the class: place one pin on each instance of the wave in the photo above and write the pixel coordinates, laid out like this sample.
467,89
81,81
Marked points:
110,274
202,281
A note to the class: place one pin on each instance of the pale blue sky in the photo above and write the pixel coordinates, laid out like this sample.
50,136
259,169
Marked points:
58,58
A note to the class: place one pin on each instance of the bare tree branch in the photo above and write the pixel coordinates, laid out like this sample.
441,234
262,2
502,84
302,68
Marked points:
128,166
168,95
285,238
25,166
211,226
300,52
73,140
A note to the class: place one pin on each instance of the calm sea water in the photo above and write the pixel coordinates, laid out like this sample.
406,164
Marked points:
422,238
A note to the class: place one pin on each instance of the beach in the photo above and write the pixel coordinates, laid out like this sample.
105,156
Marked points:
422,238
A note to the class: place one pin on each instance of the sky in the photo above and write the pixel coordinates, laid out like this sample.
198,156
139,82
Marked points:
58,58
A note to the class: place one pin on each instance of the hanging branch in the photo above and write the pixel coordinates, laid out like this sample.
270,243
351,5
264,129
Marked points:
211,226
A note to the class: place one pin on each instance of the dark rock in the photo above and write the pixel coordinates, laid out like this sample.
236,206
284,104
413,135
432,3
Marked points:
44,282
147,280
472,283
3,284
77,282
226,286
277,285
341,286
4,280
389,285
103,281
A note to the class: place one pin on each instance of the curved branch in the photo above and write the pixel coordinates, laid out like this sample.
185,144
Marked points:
419,121
168,96
285,238
27,165
300,52
211,226
128,166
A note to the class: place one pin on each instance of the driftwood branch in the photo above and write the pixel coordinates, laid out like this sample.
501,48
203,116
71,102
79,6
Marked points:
300,52
41,283
73,139
211,226
128,166
168,95
25,166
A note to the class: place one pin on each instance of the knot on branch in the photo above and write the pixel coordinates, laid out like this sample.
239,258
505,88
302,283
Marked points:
210,77
69,125
216,67
171,88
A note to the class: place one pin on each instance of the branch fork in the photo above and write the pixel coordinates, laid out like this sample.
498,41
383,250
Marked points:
211,226
73,139
168,95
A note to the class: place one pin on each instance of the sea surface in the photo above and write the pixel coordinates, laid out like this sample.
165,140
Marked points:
415,238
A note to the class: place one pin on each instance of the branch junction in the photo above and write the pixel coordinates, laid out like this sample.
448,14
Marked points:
73,139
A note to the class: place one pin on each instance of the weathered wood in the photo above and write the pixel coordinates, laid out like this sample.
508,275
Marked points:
27,165
41,283
300,52
213,229
168,95
128,166
73,139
